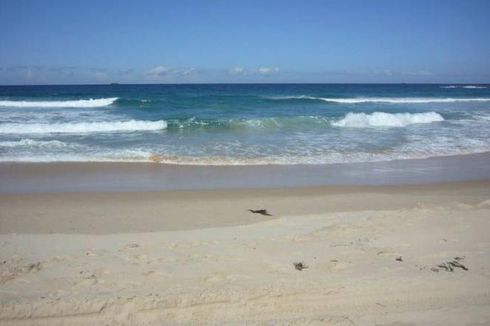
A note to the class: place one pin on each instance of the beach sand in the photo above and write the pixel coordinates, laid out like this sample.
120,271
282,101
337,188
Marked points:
374,255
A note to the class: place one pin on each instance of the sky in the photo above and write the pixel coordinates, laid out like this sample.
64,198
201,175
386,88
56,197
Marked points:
259,41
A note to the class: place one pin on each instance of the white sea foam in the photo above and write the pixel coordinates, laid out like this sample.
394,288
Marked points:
392,100
382,119
410,151
472,86
282,122
417,147
123,155
464,86
90,103
26,142
82,127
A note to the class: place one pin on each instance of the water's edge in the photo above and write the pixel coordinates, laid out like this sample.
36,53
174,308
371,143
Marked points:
127,177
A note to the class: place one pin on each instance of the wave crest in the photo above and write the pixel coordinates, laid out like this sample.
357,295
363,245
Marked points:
382,119
90,103
474,87
82,127
391,100
465,86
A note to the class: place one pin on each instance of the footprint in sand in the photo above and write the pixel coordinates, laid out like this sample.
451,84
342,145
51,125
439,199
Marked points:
335,265
156,274
87,281
16,268
221,277
132,246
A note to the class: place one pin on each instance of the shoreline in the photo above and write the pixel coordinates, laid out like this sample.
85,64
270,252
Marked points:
53,177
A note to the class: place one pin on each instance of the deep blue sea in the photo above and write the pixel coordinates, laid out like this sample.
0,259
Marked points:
239,124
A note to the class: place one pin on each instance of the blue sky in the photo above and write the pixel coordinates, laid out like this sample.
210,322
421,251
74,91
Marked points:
51,42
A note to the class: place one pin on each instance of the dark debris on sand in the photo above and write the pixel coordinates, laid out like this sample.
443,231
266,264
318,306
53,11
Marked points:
260,211
449,266
300,266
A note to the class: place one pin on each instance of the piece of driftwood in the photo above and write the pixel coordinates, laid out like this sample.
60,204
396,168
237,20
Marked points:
260,211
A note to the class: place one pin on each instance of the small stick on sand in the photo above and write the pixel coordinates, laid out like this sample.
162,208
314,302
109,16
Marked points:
260,211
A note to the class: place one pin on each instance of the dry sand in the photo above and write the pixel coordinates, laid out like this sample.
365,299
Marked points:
373,257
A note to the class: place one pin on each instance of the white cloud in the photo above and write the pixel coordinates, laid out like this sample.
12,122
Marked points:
417,73
237,71
268,70
187,71
159,72
264,71
388,72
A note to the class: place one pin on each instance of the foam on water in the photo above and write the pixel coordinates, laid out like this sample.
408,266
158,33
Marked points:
391,100
90,103
110,156
382,119
26,142
465,86
82,127
297,122
408,152
257,123
474,87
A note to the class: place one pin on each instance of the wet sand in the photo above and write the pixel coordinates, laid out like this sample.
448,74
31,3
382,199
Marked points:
137,177
127,212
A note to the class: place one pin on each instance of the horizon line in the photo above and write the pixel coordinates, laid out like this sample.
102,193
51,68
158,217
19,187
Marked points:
246,83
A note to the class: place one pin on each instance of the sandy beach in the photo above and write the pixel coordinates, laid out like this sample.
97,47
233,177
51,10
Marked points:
372,255
262,163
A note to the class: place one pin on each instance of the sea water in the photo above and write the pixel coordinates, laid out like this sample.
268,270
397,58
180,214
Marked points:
242,124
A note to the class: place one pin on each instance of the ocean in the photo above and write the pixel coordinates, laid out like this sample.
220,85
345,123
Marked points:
242,124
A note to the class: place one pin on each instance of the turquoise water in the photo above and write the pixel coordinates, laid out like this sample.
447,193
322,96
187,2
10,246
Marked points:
242,124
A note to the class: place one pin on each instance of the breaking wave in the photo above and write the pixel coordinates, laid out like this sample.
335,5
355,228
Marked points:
465,86
392,100
90,103
382,119
82,127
